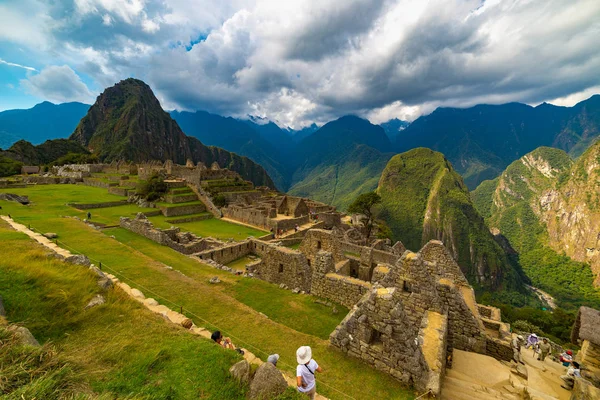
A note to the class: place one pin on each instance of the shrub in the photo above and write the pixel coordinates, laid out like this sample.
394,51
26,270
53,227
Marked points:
9,167
220,201
152,189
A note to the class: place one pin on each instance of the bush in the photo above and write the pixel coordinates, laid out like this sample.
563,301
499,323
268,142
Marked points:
9,167
220,201
152,189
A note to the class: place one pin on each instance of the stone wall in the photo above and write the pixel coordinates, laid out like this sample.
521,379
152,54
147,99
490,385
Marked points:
228,253
499,349
91,206
98,183
251,216
182,210
119,191
185,243
282,265
288,224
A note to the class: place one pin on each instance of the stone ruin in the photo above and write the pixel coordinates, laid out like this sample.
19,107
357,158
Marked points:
183,242
408,310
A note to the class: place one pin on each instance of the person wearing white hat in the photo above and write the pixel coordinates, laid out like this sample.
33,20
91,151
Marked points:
305,372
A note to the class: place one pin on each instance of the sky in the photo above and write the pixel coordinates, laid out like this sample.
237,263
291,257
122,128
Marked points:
303,61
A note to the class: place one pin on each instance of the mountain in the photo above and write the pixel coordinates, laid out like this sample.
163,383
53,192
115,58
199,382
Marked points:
280,139
300,134
482,141
546,206
40,123
424,198
393,128
242,137
128,123
45,153
341,160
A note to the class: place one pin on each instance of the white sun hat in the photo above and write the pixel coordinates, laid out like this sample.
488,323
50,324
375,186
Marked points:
303,354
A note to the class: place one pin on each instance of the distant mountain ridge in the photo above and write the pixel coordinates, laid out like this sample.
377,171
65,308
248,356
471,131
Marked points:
42,122
128,123
483,140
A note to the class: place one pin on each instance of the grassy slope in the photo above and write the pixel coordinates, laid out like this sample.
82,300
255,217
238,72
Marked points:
571,282
338,182
118,348
217,303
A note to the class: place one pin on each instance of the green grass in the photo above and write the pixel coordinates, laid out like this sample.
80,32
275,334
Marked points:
112,215
212,227
141,263
240,263
120,348
189,203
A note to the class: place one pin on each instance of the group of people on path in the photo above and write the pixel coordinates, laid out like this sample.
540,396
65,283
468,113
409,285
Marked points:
306,381
543,348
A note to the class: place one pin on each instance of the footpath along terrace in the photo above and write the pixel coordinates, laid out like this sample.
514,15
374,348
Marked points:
235,305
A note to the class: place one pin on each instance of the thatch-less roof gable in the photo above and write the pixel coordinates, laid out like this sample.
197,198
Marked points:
587,326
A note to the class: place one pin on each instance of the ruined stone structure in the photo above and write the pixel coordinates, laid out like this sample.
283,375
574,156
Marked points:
587,334
186,243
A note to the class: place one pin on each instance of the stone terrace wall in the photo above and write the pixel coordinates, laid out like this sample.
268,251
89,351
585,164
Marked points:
91,206
340,289
183,210
228,253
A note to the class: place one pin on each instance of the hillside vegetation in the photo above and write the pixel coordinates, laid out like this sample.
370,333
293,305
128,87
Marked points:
524,204
424,198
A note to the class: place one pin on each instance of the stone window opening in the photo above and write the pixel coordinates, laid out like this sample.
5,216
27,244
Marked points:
375,338
406,287
318,245
280,268
353,273
308,261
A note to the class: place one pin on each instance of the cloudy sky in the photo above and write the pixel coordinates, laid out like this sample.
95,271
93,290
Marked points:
300,61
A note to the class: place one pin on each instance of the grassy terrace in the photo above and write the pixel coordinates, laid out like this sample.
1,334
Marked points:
115,350
234,306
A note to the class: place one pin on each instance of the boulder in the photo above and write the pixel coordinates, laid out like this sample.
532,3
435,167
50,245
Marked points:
296,290
268,382
241,372
51,235
187,323
105,283
584,390
79,259
23,335
215,279
96,301
2,310
137,294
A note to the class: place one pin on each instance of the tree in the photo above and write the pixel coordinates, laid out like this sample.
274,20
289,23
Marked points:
364,205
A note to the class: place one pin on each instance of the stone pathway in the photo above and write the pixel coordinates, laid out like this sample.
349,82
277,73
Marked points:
150,303
476,376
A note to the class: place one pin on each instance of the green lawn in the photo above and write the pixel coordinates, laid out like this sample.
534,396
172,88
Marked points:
234,306
240,263
120,349
212,227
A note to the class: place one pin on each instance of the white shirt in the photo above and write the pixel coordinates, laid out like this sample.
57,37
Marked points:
308,379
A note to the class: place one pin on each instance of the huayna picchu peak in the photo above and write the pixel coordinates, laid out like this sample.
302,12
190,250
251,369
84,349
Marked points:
128,123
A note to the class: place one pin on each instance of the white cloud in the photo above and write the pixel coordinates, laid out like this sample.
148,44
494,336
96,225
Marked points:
58,84
106,20
311,60
10,64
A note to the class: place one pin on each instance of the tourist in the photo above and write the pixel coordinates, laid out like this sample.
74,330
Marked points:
89,215
305,372
572,373
516,345
221,341
532,341
273,358
296,228
566,358
544,349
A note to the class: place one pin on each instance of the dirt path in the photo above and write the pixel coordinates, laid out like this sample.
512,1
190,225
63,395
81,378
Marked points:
544,297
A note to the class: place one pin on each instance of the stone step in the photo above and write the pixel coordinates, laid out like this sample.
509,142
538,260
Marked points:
457,385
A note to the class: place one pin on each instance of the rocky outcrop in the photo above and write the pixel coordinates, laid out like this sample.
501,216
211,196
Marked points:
23,335
241,372
268,382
